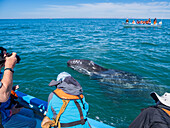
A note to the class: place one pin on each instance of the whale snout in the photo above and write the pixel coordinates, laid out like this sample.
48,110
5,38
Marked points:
80,65
85,66
74,62
69,63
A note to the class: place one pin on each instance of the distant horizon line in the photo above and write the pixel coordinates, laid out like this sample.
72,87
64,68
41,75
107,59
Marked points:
75,18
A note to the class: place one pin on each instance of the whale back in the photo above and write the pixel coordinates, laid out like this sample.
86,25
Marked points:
85,66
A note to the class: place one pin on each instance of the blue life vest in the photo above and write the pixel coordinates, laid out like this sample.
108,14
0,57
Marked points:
75,114
67,106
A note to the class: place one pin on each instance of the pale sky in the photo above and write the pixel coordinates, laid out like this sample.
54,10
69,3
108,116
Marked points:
21,9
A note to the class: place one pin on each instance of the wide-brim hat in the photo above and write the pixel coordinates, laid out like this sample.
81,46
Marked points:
60,78
67,83
164,99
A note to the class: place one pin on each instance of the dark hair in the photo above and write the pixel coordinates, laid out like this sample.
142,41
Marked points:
2,49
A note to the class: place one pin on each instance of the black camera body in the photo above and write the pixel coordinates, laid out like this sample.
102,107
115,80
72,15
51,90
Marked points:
18,58
2,58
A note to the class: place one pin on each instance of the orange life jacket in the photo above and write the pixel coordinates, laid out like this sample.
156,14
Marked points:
66,96
13,94
165,110
154,22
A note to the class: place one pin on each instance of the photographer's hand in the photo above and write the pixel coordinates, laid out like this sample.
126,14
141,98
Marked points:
11,61
7,80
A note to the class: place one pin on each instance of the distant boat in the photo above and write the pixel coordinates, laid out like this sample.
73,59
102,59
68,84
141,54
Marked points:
130,25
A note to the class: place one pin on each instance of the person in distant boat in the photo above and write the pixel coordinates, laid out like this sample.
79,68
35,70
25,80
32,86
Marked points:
133,22
137,22
149,21
13,115
66,104
141,22
155,21
157,116
144,22
127,21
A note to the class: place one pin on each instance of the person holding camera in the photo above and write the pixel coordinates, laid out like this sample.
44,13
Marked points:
7,80
12,114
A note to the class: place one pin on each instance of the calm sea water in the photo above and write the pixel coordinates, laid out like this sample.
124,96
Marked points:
46,45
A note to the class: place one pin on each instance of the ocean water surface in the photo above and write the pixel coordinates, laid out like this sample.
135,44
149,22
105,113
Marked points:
45,46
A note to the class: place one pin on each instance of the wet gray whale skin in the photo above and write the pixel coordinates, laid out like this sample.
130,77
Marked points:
111,76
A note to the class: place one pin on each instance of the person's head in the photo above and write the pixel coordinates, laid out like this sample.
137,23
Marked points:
67,83
60,79
62,76
3,52
164,99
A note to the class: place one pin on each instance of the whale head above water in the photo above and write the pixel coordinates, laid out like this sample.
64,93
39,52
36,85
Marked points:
86,67
104,75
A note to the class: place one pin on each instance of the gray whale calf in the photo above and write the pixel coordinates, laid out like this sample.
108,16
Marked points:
108,76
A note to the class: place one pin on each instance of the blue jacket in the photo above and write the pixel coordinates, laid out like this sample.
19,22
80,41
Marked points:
71,113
